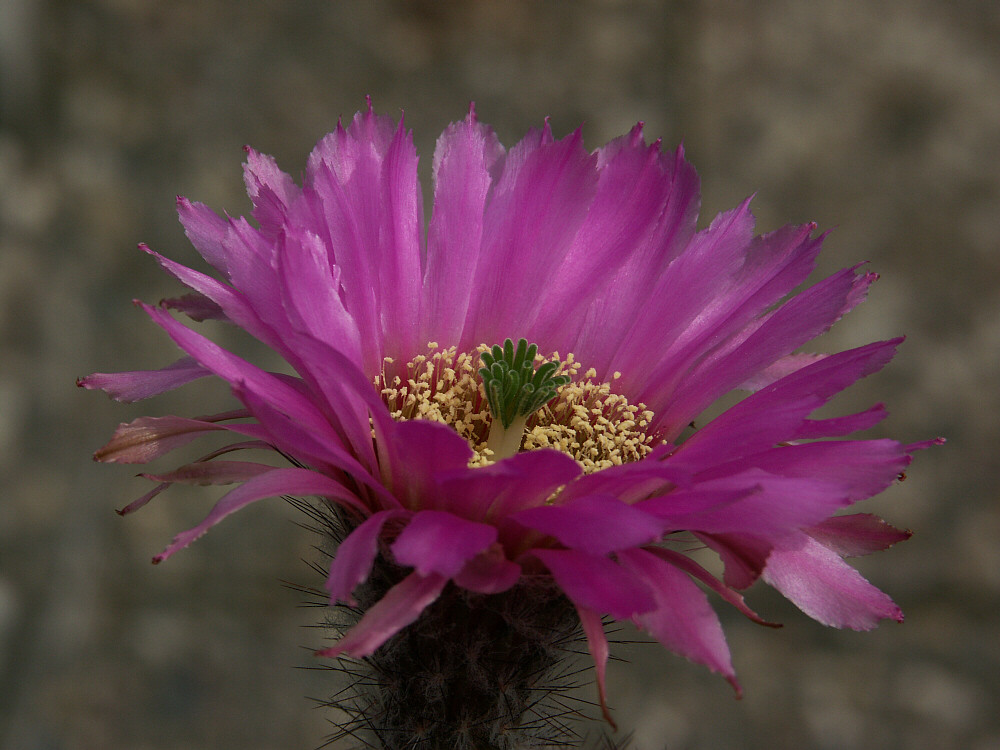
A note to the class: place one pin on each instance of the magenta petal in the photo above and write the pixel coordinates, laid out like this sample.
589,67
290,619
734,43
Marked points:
135,386
356,555
596,582
743,556
752,502
419,453
489,572
494,492
859,468
683,620
238,371
322,452
438,542
678,298
361,186
401,605
838,426
273,483
826,588
617,301
598,524
857,534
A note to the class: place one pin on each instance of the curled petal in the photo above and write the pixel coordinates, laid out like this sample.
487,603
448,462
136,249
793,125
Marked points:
355,556
135,386
857,534
146,438
276,482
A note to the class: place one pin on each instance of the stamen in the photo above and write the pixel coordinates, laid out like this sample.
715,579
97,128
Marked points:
586,419
514,391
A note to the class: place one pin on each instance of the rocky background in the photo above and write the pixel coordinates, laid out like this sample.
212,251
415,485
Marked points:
879,118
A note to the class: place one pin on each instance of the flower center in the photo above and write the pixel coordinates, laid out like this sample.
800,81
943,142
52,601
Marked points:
515,390
564,408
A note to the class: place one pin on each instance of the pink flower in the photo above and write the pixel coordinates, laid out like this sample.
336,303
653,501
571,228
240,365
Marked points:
602,484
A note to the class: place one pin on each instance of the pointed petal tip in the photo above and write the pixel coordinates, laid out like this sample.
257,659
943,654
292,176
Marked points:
737,688
471,117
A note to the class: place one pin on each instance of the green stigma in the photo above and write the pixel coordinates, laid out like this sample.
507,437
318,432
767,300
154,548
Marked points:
515,390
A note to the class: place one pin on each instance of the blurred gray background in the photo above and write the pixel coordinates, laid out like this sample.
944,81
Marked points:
880,118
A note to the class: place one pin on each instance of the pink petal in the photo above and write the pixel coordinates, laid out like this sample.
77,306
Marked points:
418,453
356,555
801,319
744,557
270,189
438,542
362,185
683,620
597,524
838,426
776,371
206,230
237,371
147,438
858,534
536,208
137,385
311,293
322,452
401,605
234,305
770,267
826,588
633,188
212,472
857,468
751,502
489,572
777,413
677,299
277,482
491,493
596,582
196,306
694,570
616,302
597,644
465,154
